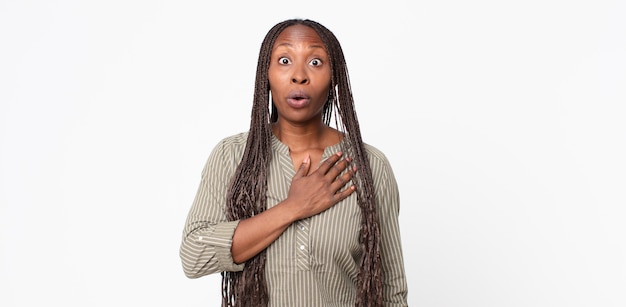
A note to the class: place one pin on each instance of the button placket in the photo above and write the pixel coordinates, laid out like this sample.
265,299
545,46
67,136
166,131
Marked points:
302,245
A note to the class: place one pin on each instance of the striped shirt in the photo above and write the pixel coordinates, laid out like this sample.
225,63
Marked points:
315,261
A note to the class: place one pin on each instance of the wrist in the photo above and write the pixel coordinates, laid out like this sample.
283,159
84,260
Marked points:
290,211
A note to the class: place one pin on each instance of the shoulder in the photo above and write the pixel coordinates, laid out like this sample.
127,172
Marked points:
231,145
228,152
385,184
376,156
235,140
374,153
382,172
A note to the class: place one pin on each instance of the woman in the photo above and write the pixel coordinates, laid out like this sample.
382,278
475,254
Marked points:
294,212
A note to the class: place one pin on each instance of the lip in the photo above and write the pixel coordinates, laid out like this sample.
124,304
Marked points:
298,99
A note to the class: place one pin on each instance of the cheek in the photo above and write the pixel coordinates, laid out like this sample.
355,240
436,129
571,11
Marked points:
276,72
273,81
327,85
270,74
326,76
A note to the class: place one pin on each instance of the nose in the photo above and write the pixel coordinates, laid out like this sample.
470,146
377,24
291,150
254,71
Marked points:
299,80
299,76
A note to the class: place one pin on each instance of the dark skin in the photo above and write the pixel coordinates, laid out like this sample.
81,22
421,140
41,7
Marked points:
299,77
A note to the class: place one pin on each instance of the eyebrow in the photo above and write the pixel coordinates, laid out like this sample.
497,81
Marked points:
291,46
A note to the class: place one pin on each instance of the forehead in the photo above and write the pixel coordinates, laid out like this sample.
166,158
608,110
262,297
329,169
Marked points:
298,34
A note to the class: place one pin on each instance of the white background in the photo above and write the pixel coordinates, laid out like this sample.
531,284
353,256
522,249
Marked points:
511,169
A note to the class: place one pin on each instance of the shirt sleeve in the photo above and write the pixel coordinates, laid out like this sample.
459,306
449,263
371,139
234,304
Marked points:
207,236
388,198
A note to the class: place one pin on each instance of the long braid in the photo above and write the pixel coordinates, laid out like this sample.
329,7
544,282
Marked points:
247,192
369,291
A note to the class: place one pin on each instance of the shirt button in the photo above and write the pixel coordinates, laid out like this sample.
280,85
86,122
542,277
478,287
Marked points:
301,227
301,247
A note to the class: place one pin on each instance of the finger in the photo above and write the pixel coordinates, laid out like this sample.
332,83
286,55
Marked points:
344,194
343,179
324,167
338,168
303,170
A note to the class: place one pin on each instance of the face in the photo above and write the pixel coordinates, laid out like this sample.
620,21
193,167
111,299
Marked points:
299,75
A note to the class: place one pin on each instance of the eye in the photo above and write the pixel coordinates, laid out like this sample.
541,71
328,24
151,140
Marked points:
316,62
284,61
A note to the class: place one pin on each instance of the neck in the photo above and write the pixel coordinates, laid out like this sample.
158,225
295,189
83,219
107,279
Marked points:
301,137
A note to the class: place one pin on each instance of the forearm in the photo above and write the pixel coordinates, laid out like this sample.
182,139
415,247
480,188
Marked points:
254,234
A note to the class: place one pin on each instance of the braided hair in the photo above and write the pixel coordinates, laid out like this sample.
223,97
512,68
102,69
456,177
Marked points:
248,189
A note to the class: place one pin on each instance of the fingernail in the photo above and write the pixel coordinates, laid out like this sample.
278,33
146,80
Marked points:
306,160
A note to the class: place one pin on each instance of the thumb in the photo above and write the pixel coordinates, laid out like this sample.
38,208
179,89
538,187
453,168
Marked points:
304,167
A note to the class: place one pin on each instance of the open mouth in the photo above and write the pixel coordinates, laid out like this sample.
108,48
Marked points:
298,99
298,95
